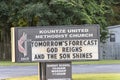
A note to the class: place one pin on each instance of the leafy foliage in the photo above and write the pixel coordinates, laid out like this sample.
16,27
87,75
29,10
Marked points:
116,8
54,12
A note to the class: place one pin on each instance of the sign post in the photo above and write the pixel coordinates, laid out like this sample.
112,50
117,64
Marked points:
53,45
55,71
42,71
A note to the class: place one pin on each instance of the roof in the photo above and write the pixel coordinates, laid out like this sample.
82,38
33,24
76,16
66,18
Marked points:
116,26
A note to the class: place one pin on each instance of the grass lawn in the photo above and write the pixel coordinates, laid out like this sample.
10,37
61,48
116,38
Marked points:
110,76
9,63
98,62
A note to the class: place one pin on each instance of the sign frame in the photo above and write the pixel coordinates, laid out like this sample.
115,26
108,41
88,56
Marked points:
15,40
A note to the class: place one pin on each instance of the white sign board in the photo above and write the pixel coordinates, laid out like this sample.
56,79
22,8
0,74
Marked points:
65,49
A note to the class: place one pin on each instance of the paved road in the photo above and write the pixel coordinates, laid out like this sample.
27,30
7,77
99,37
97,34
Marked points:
16,71
96,68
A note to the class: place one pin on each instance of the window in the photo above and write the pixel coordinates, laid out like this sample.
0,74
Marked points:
112,37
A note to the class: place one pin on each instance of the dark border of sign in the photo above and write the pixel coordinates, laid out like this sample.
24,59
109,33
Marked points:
85,25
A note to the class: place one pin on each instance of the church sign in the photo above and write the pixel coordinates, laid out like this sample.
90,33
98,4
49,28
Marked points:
55,43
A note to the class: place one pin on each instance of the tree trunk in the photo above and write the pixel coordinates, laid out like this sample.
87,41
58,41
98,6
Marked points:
5,44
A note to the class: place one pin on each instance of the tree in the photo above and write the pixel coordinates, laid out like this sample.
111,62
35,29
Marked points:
4,14
53,12
69,12
116,8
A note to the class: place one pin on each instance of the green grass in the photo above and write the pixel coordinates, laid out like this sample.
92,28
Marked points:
98,62
110,76
96,77
25,78
9,63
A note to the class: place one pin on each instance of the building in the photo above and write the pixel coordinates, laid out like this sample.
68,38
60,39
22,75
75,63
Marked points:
111,49
114,34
